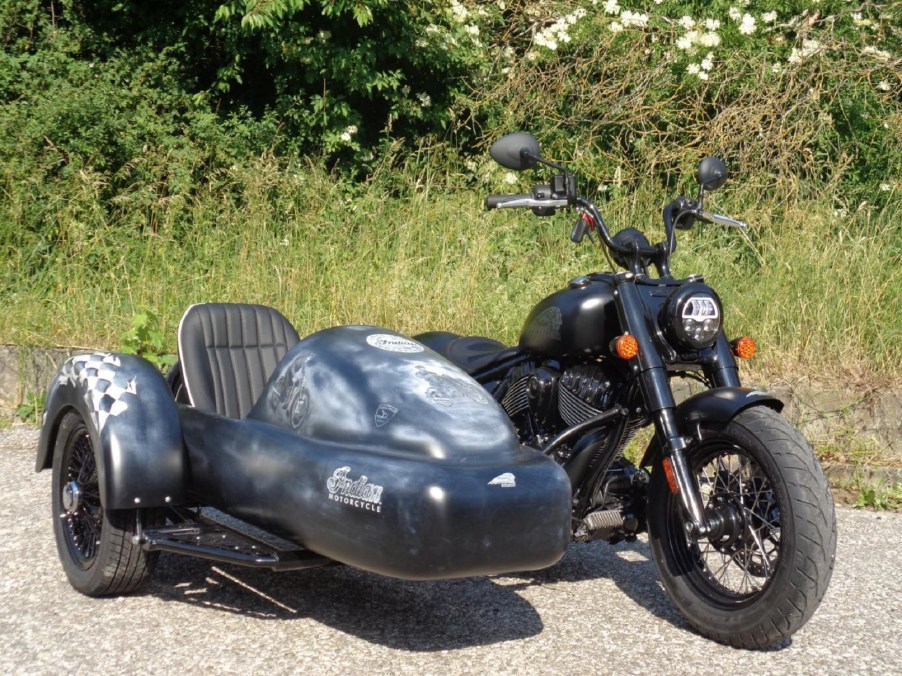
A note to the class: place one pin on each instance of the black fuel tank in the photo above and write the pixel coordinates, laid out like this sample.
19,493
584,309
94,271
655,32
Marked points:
579,320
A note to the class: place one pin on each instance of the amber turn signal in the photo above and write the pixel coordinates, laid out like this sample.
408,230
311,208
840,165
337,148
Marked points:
625,346
671,478
744,347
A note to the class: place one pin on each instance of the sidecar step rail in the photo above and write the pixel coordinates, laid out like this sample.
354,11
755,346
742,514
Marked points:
212,540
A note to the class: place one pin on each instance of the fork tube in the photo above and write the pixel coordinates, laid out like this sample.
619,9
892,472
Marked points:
724,372
658,398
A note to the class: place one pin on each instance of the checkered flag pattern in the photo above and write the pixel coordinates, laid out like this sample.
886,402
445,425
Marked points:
104,384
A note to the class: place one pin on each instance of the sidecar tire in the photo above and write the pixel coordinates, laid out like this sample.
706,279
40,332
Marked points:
94,543
768,481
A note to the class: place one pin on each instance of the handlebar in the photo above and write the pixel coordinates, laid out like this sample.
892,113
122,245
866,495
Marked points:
674,213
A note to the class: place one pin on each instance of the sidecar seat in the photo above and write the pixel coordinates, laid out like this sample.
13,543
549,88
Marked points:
227,352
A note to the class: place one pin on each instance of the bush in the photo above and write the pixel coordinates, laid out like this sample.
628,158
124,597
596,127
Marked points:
795,96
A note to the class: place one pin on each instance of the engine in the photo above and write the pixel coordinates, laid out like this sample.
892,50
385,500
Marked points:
542,400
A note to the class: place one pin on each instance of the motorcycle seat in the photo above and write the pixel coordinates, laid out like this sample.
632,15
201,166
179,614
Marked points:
227,352
470,353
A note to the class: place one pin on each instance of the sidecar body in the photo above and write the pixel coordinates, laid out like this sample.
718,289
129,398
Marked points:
354,445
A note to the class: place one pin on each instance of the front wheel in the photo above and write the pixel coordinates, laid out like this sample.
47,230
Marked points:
763,570
95,544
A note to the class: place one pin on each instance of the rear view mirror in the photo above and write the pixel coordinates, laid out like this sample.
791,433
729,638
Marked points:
712,173
518,151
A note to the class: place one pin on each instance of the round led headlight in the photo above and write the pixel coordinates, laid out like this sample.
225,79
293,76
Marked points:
692,316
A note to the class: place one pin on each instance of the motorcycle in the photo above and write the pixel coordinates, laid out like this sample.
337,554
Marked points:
448,456
740,518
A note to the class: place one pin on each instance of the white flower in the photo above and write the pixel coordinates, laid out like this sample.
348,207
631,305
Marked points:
472,29
424,99
712,24
693,69
346,137
284,242
886,187
634,19
707,64
747,27
735,14
811,46
684,43
460,12
769,17
616,27
687,22
776,68
709,40
612,7
884,86
351,130
873,51
510,178
703,76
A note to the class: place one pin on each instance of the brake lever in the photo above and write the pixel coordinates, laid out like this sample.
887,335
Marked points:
584,226
721,220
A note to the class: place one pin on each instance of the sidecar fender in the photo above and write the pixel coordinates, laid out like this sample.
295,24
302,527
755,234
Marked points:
133,423
715,407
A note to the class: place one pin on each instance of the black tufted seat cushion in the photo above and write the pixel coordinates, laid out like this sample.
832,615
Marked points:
227,353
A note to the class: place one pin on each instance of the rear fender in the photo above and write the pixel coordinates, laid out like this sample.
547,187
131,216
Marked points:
713,408
133,423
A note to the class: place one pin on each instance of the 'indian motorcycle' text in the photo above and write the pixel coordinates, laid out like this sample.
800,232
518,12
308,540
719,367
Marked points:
359,493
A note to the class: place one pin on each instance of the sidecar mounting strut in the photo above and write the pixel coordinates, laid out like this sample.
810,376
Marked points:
205,538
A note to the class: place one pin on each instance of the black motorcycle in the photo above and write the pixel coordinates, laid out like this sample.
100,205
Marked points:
740,518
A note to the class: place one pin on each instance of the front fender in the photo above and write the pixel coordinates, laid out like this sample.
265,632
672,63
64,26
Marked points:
713,408
133,423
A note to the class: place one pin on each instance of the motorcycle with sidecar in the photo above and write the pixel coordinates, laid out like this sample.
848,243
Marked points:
440,455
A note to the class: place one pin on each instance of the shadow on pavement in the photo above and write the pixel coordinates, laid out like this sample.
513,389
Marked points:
415,616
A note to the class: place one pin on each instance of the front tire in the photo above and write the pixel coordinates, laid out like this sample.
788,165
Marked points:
94,543
763,572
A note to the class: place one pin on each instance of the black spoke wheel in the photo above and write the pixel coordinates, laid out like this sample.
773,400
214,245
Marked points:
764,568
82,513
94,544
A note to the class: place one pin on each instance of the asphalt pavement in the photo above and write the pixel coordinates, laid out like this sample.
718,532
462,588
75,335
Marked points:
600,610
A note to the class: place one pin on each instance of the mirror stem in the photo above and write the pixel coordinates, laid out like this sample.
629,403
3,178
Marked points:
536,158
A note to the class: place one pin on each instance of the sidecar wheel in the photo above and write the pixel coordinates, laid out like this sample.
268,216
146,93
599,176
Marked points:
760,576
94,543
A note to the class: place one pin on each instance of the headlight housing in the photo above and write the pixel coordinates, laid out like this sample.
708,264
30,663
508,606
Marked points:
693,316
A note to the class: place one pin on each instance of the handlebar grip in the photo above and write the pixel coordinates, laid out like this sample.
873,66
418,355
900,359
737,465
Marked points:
494,201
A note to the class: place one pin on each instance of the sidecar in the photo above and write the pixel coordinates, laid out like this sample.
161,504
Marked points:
355,445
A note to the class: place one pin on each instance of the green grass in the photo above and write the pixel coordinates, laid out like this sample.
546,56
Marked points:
819,292
879,496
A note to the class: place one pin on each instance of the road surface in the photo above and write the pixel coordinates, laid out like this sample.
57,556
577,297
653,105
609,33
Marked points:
600,610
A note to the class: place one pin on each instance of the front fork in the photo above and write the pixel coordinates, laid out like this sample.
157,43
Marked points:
660,404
